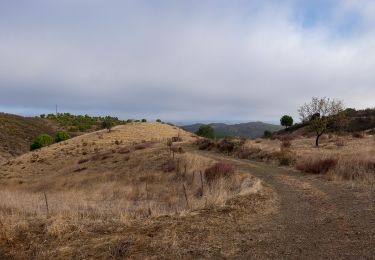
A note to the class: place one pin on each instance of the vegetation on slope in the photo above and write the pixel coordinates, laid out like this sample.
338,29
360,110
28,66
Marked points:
249,130
54,198
82,123
17,133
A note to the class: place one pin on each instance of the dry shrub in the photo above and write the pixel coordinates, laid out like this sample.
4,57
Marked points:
143,145
355,169
176,139
248,152
124,150
80,169
285,144
205,144
102,156
288,137
226,146
219,170
169,166
285,157
371,132
119,250
316,165
358,135
83,160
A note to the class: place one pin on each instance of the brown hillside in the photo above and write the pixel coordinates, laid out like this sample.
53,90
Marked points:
17,133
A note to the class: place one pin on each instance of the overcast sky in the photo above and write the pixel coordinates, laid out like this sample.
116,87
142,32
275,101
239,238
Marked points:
185,60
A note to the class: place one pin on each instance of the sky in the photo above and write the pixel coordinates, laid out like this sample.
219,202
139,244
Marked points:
185,61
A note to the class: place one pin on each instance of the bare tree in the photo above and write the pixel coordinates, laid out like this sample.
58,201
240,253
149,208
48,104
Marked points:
319,112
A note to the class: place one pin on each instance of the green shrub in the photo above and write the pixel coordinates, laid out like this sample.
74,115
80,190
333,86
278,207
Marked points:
51,116
41,141
83,128
158,120
73,129
62,136
267,134
144,120
206,131
107,124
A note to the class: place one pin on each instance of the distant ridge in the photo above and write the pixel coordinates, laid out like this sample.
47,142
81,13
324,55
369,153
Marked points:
250,129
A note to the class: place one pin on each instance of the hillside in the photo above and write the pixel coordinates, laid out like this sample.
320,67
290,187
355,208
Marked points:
17,133
251,129
102,189
128,194
360,120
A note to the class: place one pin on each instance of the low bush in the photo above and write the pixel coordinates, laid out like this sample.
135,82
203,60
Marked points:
107,124
41,141
124,150
83,160
355,169
205,144
317,166
285,158
62,136
267,134
226,146
143,145
358,135
285,144
169,166
206,131
176,139
144,120
219,170
371,132
248,152
102,156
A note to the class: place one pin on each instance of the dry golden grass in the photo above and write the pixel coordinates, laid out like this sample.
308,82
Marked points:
355,156
109,179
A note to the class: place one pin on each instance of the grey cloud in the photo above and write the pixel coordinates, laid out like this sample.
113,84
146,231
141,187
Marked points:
179,60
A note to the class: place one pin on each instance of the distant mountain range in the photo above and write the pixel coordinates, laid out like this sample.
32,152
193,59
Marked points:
251,129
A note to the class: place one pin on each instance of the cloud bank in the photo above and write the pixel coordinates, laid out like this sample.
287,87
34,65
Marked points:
185,60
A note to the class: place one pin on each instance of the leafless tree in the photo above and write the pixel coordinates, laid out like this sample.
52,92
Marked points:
319,112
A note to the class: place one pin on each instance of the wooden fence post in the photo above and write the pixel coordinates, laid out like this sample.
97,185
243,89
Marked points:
201,181
46,201
186,197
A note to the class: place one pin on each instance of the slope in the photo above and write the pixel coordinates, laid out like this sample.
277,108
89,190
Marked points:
251,129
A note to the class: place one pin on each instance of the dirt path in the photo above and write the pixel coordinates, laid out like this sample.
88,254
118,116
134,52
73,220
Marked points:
317,219
295,216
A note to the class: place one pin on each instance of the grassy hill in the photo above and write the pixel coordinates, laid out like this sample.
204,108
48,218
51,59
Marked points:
360,120
251,129
104,187
17,132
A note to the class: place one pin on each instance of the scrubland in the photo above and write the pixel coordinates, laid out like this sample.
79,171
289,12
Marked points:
339,157
106,181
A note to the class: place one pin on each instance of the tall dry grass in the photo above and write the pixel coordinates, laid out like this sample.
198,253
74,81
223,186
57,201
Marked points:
340,158
140,189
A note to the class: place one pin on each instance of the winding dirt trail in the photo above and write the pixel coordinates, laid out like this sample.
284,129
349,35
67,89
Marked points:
316,219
